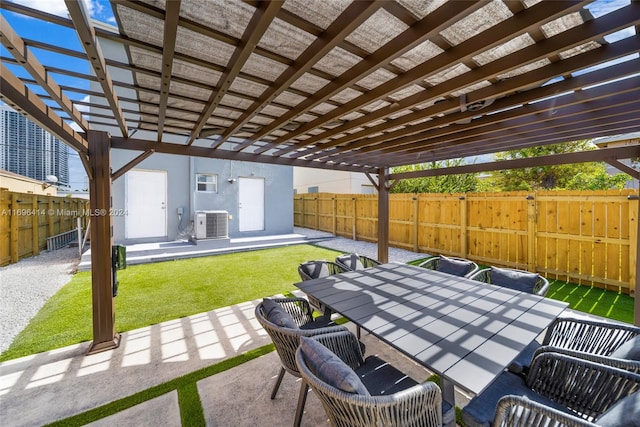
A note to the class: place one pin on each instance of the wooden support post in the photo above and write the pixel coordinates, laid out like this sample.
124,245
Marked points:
35,223
383,216
13,248
104,333
531,232
463,228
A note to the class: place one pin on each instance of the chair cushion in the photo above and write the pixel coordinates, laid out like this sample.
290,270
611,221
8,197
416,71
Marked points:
318,322
380,378
518,280
277,315
316,269
522,362
329,368
354,262
629,350
626,412
453,266
480,410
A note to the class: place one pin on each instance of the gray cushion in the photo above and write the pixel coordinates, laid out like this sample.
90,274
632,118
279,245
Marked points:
316,269
626,412
352,261
277,315
329,368
453,266
522,362
480,410
518,280
629,350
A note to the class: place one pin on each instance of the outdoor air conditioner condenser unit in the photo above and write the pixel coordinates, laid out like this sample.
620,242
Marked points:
212,224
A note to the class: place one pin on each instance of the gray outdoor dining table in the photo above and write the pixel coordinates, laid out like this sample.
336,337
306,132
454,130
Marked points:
466,331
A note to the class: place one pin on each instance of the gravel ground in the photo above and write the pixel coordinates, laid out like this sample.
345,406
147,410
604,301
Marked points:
363,248
26,285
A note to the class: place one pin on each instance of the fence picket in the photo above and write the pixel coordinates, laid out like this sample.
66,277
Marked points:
27,220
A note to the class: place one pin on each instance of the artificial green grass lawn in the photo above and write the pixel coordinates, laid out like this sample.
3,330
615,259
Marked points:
154,293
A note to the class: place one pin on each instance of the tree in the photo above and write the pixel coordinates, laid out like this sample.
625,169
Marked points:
580,176
436,184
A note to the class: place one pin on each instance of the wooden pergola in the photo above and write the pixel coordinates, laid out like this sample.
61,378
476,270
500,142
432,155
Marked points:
342,85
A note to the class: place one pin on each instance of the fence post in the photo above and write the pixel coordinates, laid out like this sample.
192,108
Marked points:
14,229
334,219
416,222
79,228
463,226
531,232
35,241
354,232
317,213
50,216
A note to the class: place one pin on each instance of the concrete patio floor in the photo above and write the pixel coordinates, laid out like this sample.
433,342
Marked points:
51,386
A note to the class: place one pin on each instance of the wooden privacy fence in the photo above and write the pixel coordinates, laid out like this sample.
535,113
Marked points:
586,237
27,220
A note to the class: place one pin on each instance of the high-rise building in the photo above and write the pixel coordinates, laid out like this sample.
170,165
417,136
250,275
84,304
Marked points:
29,150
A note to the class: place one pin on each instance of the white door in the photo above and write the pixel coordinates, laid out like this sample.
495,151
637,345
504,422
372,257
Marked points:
251,207
146,202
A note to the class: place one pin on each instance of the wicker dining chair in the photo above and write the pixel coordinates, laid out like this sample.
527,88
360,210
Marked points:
316,269
286,334
571,385
354,261
518,411
588,337
366,392
520,280
451,265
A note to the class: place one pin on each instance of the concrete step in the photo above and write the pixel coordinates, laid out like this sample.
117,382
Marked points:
165,251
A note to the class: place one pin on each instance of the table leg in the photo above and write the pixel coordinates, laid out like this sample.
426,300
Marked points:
448,395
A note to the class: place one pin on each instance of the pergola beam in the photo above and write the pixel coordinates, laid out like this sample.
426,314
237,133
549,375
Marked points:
133,163
502,32
263,16
350,19
22,99
407,40
25,57
576,120
557,159
86,32
599,98
172,15
193,150
633,173
451,108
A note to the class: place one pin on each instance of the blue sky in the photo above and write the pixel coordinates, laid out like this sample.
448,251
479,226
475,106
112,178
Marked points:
101,10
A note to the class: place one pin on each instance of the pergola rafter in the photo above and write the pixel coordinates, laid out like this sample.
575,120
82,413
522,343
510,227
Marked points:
87,34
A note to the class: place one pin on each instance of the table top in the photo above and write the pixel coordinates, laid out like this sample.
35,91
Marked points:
464,330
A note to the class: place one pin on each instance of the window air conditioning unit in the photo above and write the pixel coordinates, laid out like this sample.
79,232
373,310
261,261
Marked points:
212,224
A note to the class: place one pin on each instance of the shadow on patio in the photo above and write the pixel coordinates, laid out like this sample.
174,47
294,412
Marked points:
154,370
